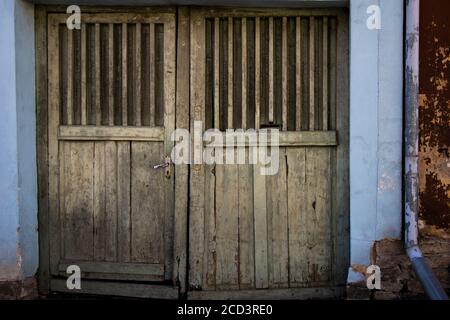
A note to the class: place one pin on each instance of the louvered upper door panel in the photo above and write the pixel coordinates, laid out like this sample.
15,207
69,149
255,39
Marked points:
111,112
270,69
112,70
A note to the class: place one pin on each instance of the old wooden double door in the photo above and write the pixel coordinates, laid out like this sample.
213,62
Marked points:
118,87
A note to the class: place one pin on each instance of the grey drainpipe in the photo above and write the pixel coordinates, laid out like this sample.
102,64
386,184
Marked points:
431,285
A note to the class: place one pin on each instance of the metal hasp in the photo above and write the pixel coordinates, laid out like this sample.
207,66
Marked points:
430,283
165,165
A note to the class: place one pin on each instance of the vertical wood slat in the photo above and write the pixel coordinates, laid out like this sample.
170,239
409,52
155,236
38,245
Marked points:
271,75
152,74
277,221
332,75
181,173
257,73
137,116
230,72
98,110
260,228
123,201
111,201
83,76
124,75
284,74
197,174
245,222
42,149
99,208
311,74
216,73
244,73
169,91
297,209
110,74
70,53
61,197
53,145
325,75
341,195
298,76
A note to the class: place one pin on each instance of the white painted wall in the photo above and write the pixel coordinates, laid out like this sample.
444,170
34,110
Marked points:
376,90
18,179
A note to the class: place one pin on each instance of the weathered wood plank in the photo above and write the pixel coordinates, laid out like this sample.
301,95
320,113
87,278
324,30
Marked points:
298,75
230,73
260,228
246,234
63,149
318,213
152,75
115,267
270,294
123,201
99,201
284,76
325,75
169,126
111,74
332,74
70,53
111,201
278,225
120,289
227,228
181,171
271,70
341,200
216,73
266,12
147,203
111,133
257,73
286,139
78,200
97,63
42,148
210,257
244,73
124,74
53,145
296,179
83,75
138,76
119,16
197,90
312,74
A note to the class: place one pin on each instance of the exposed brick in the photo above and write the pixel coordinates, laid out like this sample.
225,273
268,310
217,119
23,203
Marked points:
398,280
19,290
388,247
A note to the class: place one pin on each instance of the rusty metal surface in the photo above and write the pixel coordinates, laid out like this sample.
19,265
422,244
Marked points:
434,115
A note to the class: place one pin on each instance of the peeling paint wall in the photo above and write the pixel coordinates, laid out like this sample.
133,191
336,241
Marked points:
434,143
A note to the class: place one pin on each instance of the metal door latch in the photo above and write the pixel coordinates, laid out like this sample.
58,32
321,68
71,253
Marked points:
165,165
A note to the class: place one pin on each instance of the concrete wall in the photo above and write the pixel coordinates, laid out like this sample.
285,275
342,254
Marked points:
376,88
18,182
